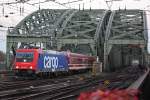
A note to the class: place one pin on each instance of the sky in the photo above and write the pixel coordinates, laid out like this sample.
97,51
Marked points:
10,15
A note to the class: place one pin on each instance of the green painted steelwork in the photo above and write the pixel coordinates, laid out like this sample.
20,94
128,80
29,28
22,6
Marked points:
125,40
116,37
77,30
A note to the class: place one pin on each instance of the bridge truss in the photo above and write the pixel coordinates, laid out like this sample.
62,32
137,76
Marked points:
81,31
125,39
118,37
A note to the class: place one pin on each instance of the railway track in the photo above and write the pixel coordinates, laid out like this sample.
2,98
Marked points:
40,91
17,84
70,87
56,91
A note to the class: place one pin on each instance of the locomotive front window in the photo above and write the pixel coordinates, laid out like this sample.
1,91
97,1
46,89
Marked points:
24,57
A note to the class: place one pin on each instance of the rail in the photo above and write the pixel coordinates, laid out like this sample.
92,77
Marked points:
139,81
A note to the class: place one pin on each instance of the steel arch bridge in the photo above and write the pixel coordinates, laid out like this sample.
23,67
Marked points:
126,39
116,37
80,31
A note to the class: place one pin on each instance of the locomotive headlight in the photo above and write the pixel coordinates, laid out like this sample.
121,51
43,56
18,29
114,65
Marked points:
17,67
30,67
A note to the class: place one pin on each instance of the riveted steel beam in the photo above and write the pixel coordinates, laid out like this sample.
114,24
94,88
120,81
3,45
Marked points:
85,25
40,26
29,39
125,32
57,29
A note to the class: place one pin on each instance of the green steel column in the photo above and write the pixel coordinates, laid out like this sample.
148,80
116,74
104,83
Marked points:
8,66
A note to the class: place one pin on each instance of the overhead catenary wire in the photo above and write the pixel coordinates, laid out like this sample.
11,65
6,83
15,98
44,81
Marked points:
39,5
109,3
8,3
40,2
23,10
61,4
71,2
20,9
17,9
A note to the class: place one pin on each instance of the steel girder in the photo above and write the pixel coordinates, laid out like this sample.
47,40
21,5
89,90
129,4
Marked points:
76,30
84,32
126,39
43,22
40,24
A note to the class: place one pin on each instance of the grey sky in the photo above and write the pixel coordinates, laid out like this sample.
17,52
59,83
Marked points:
13,10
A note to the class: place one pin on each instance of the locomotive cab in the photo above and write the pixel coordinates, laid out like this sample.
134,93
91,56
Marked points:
25,61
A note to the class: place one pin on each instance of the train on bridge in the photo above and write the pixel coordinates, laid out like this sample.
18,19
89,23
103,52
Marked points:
36,61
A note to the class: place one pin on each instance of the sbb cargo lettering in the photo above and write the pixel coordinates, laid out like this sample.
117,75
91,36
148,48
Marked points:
50,62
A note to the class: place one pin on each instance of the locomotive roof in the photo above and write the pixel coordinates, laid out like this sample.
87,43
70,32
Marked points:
53,52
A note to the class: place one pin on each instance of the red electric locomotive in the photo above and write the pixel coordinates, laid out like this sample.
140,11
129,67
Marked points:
34,61
26,61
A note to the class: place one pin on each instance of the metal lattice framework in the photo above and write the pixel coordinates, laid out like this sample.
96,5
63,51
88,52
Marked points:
82,31
76,30
126,39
